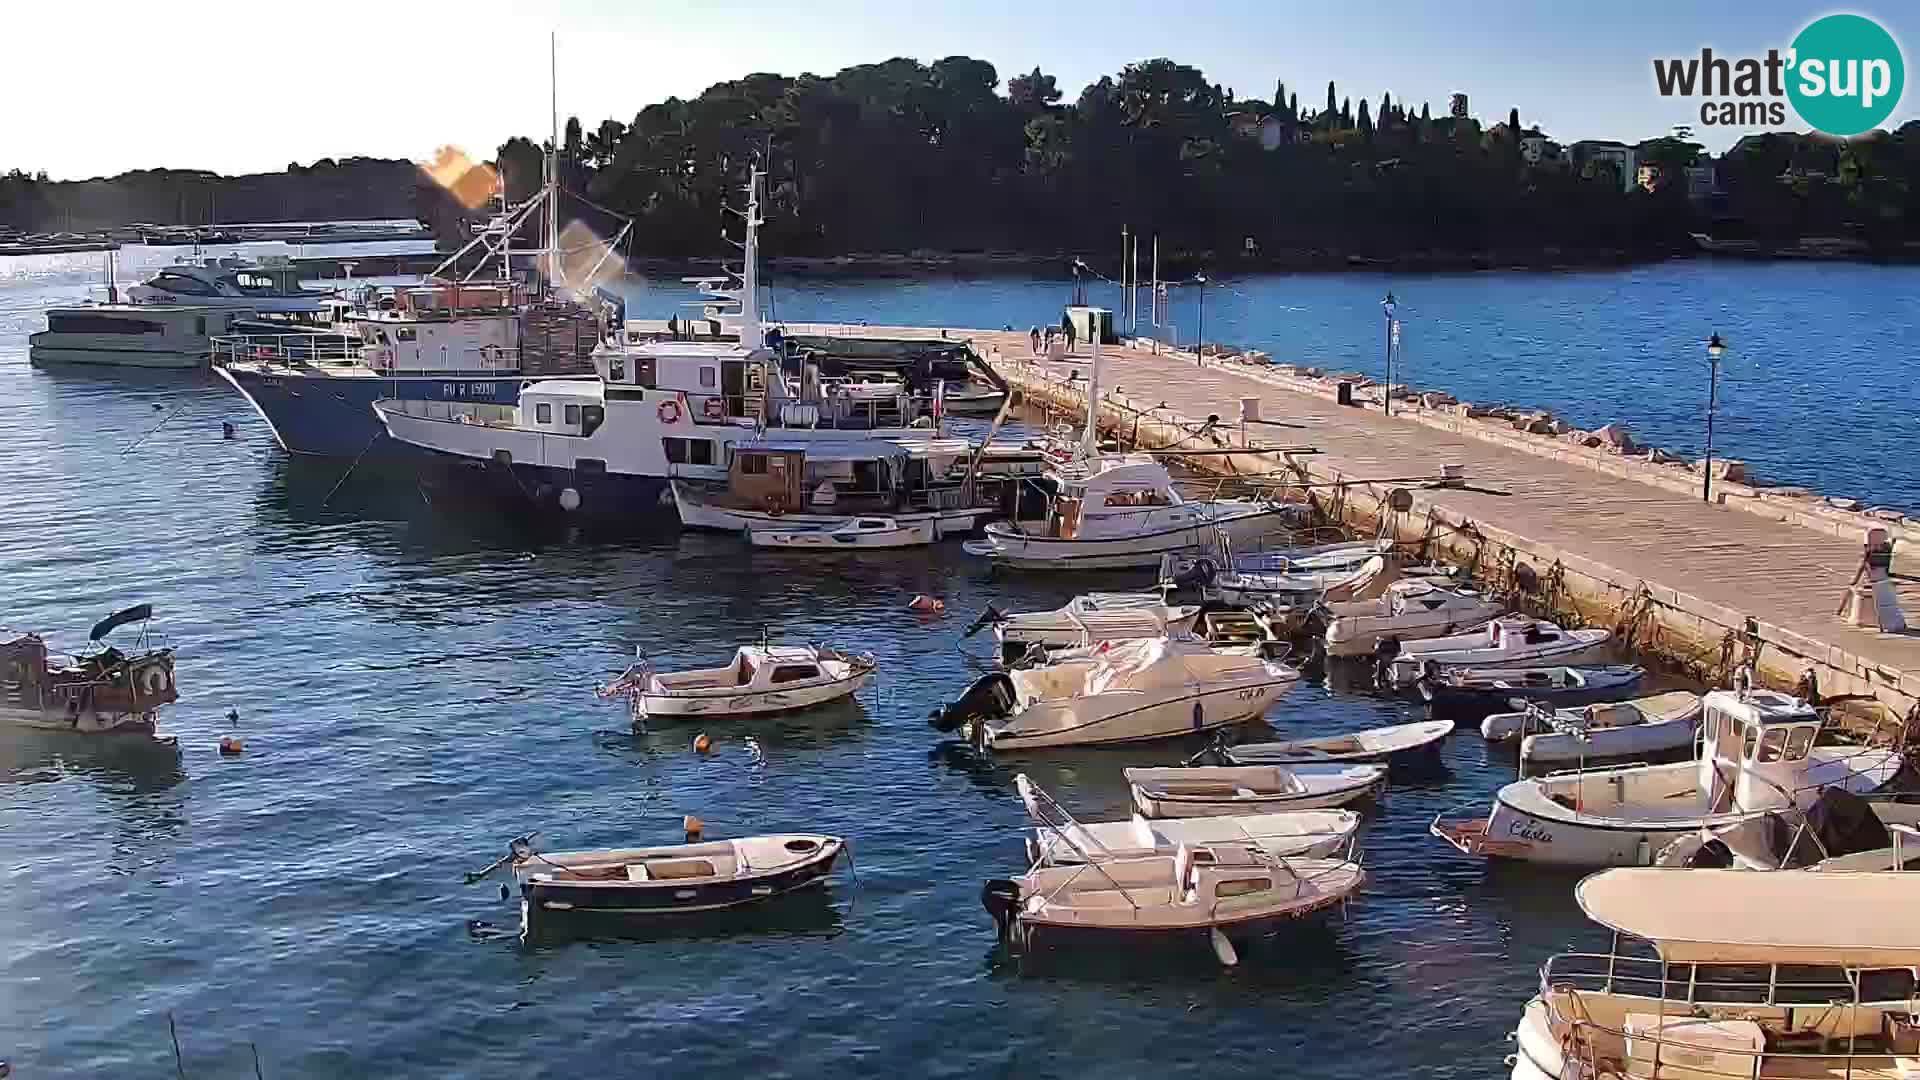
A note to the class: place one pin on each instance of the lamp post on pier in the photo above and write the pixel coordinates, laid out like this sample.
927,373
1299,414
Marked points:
1715,349
1199,348
1386,399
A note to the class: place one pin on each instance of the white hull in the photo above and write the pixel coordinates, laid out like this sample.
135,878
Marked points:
697,513
830,538
1564,648
1318,787
1005,547
1358,635
1106,719
1617,742
722,704
1527,826
1068,628
1311,834
88,723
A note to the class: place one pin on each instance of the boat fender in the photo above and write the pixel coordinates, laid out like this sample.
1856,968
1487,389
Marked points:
1001,898
569,500
925,604
702,744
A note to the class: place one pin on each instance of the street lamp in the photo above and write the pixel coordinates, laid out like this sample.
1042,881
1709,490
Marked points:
1199,348
1715,349
1386,399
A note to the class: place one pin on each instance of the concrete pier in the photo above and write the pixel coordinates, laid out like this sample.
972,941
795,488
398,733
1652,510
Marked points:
1757,576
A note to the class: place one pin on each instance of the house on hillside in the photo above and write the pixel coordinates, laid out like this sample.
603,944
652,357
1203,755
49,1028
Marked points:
1595,157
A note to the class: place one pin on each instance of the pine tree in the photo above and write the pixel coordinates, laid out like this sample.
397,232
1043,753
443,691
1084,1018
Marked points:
1346,114
1513,124
1426,117
1386,108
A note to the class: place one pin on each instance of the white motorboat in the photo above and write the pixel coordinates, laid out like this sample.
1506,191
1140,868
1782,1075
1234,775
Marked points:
1127,691
105,692
1122,511
1757,754
854,534
1659,723
1744,978
972,399
1301,590
1212,892
1310,834
762,679
1210,791
1086,619
675,879
1398,743
1508,642
1475,689
1411,609
130,335
268,286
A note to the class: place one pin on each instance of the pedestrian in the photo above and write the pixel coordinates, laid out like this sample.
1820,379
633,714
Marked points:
1071,336
1033,340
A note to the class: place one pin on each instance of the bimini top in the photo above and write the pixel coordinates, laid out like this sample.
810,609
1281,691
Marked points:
1858,920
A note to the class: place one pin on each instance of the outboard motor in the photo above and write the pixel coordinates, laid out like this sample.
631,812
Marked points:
991,697
1001,898
1712,855
1198,576
1215,753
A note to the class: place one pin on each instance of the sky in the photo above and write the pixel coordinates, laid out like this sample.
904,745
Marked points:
106,85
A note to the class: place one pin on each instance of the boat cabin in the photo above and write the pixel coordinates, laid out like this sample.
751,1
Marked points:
720,379
563,407
852,476
1754,749
1117,495
1744,978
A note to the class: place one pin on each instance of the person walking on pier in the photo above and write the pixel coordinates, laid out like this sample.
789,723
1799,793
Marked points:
1067,325
1033,338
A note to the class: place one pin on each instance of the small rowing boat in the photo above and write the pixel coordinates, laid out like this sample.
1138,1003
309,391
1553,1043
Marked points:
1398,743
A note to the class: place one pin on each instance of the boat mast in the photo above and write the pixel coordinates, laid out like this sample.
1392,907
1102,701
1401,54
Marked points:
554,276
506,239
750,332
1090,441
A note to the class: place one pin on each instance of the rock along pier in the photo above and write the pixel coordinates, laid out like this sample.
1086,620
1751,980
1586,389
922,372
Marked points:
1758,576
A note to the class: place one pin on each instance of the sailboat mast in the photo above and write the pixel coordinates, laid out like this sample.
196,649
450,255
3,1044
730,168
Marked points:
1090,442
554,276
750,333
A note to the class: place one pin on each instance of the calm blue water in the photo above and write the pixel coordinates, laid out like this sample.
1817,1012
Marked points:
416,689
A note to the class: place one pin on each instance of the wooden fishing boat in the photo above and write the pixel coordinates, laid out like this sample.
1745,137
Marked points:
853,534
1479,689
675,879
1659,723
1398,743
762,679
1288,833
1210,791
105,692
1510,642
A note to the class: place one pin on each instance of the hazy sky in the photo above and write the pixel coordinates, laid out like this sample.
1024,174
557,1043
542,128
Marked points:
101,86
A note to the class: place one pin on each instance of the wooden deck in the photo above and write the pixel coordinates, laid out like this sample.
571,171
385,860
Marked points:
1714,565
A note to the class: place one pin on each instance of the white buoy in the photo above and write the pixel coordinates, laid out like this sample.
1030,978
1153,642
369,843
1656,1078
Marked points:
1223,948
569,500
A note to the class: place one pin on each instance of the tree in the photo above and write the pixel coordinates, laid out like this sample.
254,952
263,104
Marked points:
1513,124
1426,117
1280,100
1293,108
1032,91
1386,108
1333,108
574,153
519,162
1366,122
604,141
1346,114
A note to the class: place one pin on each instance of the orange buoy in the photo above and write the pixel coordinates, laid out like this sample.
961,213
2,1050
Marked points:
702,744
927,605
694,828
231,745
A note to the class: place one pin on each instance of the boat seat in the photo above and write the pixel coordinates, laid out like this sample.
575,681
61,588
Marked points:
637,872
602,872
1132,896
676,869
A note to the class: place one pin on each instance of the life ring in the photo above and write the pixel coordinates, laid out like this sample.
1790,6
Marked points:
713,409
669,412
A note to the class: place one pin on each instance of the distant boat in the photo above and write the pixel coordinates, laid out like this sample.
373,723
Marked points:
853,534
672,880
130,335
1485,689
762,679
1511,642
1398,743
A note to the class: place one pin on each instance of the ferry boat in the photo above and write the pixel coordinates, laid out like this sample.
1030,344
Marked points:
105,692
131,335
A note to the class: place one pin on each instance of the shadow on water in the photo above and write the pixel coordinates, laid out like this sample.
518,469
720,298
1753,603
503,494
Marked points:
1311,958
131,765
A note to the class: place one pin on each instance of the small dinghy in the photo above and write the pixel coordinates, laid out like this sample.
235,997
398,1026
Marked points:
1480,689
852,534
675,879
762,679
972,399
1085,620
1398,743
1289,833
1661,723
1211,791
1126,691
1506,642
1212,893
1411,610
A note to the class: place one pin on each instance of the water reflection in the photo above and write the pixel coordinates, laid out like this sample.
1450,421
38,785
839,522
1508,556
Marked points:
117,765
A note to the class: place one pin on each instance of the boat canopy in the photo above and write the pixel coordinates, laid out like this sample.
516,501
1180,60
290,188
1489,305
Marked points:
1745,917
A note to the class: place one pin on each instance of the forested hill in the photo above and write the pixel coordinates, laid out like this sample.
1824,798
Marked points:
355,189
899,156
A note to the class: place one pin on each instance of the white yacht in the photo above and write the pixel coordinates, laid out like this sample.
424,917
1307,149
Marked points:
1757,755
131,335
268,286
1727,973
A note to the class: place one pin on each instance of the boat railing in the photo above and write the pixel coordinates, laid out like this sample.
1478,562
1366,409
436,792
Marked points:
304,350
1839,1043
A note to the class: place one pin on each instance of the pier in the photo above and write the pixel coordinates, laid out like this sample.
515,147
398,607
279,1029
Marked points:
1592,537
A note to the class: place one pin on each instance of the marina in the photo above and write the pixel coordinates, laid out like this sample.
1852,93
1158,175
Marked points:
1166,875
